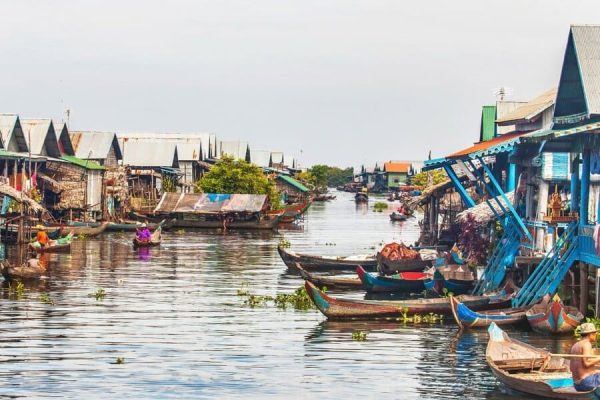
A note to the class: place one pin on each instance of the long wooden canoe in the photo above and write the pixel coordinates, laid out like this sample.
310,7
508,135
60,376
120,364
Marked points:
92,229
553,317
527,369
340,309
268,223
325,263
330,281
467,318
405,282
28,270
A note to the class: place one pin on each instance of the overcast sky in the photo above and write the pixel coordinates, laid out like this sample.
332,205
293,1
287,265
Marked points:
341,82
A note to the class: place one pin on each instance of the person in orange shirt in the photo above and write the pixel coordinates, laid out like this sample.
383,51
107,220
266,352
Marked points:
42,236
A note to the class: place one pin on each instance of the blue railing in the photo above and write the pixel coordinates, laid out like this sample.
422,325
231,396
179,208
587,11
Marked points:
587,248
551,270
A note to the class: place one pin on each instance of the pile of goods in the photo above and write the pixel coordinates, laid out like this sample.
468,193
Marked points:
399,251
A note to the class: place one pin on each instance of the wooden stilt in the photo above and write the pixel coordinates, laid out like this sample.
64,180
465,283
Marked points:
584,287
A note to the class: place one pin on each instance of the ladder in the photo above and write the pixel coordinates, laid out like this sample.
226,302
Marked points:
548,275
501,258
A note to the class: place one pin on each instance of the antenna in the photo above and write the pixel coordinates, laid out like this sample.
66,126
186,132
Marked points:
68,113
502,92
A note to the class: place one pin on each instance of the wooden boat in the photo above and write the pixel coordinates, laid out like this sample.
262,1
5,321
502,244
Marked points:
29,270
323,197
394,216
155,239
406,282
553,317
88,224
340,309
388,267
268,222
329,281
451,279
361,197
128,226
61,245
530,370
467,318
325,263
82,229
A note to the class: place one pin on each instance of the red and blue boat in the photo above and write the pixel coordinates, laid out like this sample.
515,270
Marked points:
405,282
553,317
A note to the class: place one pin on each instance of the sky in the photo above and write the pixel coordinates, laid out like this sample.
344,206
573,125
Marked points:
339,82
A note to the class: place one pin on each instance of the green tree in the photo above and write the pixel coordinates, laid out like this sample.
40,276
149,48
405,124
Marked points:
326,176
422,178
231,176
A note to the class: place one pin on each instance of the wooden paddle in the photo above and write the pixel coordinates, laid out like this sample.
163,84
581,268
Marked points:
573,355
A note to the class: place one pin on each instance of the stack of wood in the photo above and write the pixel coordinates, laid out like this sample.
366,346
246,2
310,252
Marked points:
115,180
73,183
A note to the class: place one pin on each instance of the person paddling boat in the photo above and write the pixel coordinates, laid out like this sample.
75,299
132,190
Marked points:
584,369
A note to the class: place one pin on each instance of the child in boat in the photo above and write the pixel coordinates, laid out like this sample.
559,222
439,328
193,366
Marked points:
585,377
144,234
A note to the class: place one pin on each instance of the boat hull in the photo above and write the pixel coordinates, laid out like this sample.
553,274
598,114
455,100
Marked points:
554,318
330,282
388,267
324,264
341,309
466,318
406,282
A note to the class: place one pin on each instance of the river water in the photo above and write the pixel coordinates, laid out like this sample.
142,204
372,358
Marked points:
173,315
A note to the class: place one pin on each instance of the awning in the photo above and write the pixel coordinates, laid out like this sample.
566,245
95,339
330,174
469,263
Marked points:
291,181
483,213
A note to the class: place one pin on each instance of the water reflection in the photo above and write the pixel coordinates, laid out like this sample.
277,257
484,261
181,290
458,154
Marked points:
175,317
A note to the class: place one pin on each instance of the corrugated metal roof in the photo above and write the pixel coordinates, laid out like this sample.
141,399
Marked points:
493,146
195,146
40,137
64,139
504,107
396,167
530,110
95,145
262,158
233,148
139,153
210,203
487,129
11,133
87,164
294,183
587,46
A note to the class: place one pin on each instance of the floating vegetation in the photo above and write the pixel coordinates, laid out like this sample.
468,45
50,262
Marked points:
20,289
44,298
447,293
380,206
120,360
330,244
99,295
284,243
359,336
430,318
81,237
298,300
180,231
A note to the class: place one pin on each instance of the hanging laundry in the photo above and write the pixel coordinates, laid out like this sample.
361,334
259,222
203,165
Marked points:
34,179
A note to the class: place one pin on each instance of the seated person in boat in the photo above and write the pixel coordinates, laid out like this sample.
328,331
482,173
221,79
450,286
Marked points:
144,234
42,237
585,377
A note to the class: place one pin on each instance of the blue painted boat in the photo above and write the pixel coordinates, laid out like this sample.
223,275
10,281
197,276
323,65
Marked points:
553,317
467,318
407,282
453,283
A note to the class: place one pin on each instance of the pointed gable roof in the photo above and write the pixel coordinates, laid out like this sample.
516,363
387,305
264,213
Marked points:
12,133
64,139
578,95
40,137
95,145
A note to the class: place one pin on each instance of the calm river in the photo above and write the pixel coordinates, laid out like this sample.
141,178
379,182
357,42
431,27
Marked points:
173,315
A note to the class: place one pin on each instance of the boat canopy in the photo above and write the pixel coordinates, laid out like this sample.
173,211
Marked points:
210,203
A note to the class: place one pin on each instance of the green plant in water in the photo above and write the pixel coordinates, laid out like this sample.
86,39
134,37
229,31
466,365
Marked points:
44,298
284,243
120,360
447,293
20,290
380,206
359,336
430,318
299,299
81,237
99,295
180,231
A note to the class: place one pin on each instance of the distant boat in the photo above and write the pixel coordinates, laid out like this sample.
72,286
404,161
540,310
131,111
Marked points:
325,263
467,318
361,197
